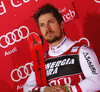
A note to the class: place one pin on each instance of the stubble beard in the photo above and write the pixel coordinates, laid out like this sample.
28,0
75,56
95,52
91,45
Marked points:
55,38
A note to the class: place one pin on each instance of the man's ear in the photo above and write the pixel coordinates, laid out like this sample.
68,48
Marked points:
62,25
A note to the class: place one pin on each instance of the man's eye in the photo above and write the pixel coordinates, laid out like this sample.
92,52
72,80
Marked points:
51,21
42,25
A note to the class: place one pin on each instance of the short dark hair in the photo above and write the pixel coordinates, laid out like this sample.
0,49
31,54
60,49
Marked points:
48,8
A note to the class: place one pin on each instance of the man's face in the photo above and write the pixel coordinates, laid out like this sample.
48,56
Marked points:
50,28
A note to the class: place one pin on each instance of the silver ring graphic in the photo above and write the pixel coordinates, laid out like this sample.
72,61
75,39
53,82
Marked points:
97,1
13,36
88,43
19,72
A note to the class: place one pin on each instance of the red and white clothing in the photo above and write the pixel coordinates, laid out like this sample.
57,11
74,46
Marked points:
69,63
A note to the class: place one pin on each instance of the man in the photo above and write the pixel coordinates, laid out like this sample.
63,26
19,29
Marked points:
66,62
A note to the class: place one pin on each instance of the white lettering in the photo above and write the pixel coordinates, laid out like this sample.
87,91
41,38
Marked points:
51,71
2,6
72,13
15,5
63,62
53,65
68,83
59,80
71,61
20,86
68,60
64,17
19,4
55,70
58,63
65,80
68,16
11,51
54,81
61,10
47,66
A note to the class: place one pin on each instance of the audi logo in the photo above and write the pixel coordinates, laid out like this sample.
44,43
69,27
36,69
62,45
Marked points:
22,72
11,37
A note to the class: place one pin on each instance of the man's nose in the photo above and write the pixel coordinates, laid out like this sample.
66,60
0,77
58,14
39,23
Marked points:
47,27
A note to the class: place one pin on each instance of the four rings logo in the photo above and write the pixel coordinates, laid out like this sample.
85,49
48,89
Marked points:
11,37
22,72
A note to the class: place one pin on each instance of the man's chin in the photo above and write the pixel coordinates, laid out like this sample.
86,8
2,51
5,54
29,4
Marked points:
51,40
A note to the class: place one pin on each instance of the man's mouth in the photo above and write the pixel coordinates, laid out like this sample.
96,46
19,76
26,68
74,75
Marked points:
49,33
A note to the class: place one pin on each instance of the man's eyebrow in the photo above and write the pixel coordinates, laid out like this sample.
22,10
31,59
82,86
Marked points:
41,23
47,20
52,19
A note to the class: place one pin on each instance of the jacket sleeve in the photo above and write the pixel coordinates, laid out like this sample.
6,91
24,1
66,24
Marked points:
31,85
91,70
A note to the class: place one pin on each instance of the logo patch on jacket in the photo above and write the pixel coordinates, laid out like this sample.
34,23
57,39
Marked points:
63,65
75,49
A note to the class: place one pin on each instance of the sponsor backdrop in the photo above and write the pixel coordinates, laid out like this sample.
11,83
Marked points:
82,21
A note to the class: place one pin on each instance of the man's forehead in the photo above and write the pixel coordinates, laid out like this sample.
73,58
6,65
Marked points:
46,17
